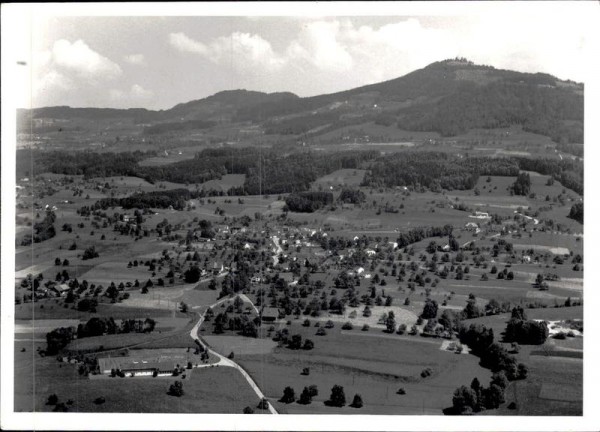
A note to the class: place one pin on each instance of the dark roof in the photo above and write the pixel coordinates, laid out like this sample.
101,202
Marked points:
270,312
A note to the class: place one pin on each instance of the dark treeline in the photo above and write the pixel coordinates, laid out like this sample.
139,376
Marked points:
280,173
60,337
487,166
295,172
175,198
206,165
351,196
543,109
285,173
567,171
417,234
98,326
43,230
308,202
431,170
436,170
88,164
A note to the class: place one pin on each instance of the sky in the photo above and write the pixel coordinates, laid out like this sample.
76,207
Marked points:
160,61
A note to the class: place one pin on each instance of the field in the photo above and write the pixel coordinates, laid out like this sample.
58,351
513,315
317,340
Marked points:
343,177
215,390
49,309
371,366
239,345
555,387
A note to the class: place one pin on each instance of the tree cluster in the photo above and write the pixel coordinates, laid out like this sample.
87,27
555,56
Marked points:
526,332
308,202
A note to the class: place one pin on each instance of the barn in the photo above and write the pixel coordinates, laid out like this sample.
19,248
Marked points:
135,366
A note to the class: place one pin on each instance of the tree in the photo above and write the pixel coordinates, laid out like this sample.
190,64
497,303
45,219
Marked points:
493,396
60,407
522,371
176,389
248,410
263,404
305,397
401,329
472,310
52,399
183,307
463,398
212,284
499,378
288,395
357,402
347,326
295,342
90,253
192,275
576,212
526,331
476,385
390,322
430,309
308,344
85,305
337,398
522,184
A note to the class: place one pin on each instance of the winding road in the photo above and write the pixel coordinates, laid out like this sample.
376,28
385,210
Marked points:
224,361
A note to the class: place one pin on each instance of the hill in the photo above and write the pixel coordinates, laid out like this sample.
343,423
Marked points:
449,97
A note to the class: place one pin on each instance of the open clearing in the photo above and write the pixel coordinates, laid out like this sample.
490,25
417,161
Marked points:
239,345
342,177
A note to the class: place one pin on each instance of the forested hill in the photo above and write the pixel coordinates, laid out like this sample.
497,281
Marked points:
449,97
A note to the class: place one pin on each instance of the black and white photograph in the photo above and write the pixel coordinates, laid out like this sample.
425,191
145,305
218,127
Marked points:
289,213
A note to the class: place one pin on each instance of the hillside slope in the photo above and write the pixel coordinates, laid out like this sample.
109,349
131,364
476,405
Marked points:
449,97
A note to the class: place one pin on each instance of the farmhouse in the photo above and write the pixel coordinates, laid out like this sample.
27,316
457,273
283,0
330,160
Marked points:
62,289
287,276
270,314
217,268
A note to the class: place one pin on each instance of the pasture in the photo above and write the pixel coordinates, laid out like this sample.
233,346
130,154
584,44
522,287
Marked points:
375,367
215,390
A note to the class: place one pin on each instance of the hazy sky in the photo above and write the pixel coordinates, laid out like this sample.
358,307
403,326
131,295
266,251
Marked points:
157,62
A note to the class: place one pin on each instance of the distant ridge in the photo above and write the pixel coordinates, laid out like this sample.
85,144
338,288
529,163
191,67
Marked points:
449,96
